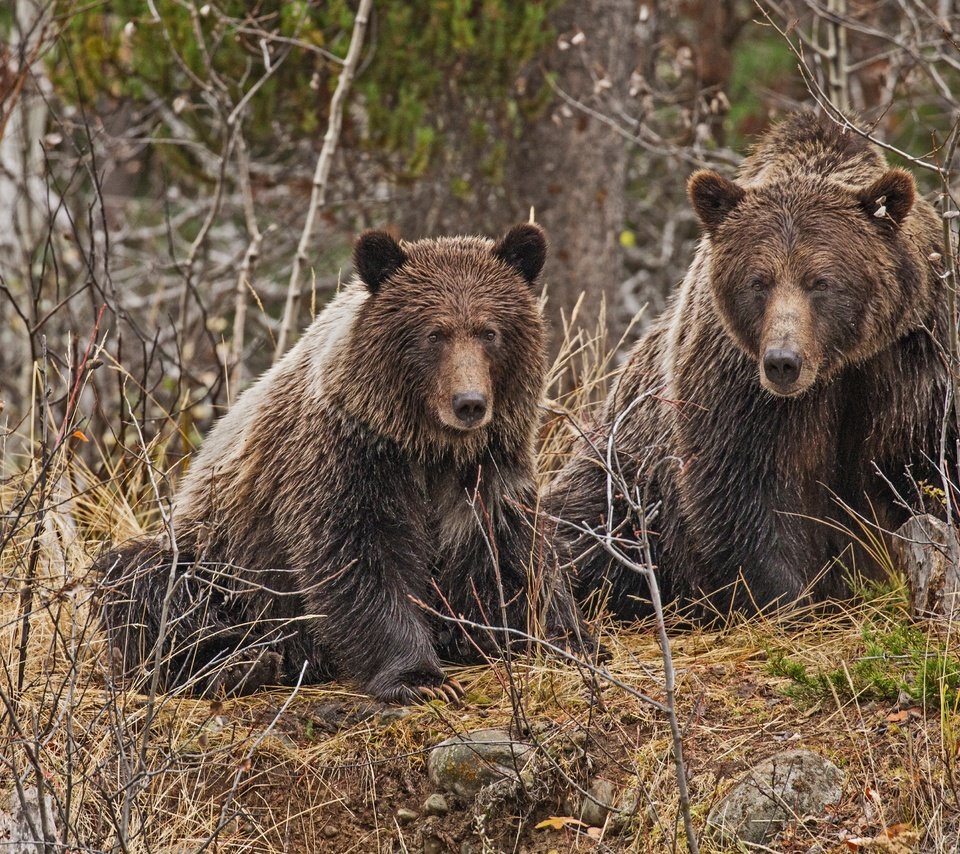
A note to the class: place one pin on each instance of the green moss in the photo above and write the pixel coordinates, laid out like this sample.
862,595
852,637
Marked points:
424,60
896,658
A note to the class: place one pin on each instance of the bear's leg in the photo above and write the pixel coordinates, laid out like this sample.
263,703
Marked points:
378,636
370,621
362,552
507,579
246,673
762,576
580,510
208,642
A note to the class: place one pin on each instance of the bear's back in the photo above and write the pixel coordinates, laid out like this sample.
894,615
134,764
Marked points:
219,465
807,144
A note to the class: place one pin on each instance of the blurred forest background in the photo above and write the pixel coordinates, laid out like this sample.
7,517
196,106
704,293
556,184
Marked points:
180,186
157,159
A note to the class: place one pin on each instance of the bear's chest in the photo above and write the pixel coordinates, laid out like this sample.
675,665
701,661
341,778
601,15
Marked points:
456,505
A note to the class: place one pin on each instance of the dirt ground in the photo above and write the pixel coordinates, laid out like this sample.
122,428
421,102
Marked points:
324,770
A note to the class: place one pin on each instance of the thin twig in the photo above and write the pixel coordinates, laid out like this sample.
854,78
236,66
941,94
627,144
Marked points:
26,592
322,173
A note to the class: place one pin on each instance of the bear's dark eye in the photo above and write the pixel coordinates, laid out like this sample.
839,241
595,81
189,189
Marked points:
489,335
820,284
433,337
757,283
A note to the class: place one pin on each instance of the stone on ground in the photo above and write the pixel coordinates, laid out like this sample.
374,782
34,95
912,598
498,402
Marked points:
466,763
787,787
924,548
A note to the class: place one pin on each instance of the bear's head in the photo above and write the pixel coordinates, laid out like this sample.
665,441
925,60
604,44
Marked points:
809,275
448,347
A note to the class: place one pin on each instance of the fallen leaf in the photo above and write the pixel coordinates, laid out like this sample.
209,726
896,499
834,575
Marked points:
895,830
896,839
559,822
904,715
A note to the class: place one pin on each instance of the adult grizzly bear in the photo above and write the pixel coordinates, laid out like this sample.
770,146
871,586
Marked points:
798,372
384,463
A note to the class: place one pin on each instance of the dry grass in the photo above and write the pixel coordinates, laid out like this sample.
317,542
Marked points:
323,769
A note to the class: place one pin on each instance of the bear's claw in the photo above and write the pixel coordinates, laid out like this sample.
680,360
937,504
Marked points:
452,691
449,691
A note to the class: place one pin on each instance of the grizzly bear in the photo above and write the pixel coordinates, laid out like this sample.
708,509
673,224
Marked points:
787,404
378,478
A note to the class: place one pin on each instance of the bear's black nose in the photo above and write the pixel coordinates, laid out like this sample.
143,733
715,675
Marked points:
782,367
469,407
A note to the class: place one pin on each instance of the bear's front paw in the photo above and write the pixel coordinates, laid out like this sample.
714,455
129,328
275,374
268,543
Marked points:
413,691
245,676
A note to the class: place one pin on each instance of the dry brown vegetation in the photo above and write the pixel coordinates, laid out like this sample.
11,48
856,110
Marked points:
320,768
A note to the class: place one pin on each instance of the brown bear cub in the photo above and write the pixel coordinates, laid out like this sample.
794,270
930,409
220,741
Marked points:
381,473
797,376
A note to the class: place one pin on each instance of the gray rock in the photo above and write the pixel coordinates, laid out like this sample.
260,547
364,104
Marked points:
391,714
595,809
22,826
466,763
621,820
433,845
787,786
436,804
405,816
923,549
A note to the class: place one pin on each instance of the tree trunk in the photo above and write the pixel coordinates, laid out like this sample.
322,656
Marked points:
570,166
23,194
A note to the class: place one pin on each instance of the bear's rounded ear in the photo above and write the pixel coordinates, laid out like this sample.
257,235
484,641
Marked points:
713,197
523,247
376,257
890,197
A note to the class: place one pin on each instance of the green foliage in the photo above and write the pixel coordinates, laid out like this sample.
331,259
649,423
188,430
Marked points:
425,61
895,658
766,57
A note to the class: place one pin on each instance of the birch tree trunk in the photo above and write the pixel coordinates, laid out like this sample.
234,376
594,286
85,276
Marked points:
23,191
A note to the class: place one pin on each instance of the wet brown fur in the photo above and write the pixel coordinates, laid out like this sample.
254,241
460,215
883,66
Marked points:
340,492
746,474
